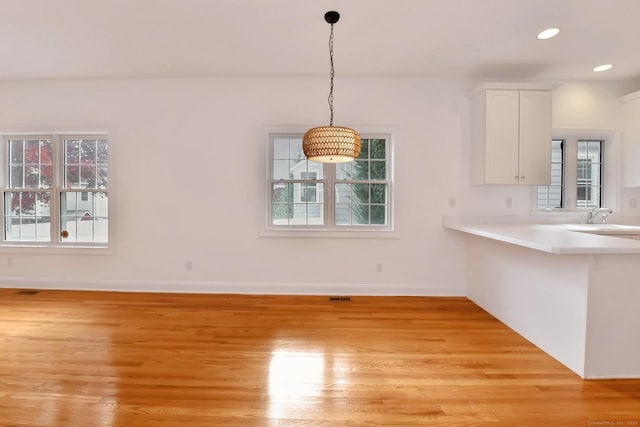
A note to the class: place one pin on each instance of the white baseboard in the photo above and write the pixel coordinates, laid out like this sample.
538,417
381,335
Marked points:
377,289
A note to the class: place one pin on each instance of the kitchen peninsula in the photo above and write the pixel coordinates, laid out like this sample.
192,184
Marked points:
571,289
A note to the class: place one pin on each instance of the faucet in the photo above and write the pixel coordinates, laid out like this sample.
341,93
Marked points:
594,213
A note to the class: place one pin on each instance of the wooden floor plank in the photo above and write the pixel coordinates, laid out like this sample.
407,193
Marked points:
71,358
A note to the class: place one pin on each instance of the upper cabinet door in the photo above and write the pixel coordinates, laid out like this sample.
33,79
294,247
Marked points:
535,137
631,140
502,134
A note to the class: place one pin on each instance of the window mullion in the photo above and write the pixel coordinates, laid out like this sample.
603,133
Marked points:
4,182
56,194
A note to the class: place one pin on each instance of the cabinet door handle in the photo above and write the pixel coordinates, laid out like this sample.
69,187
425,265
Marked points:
522,177
515,177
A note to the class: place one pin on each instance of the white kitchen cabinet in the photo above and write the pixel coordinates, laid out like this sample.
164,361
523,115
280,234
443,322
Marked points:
511,136
631,140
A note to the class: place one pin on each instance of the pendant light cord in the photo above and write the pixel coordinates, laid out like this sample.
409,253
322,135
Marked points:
331,74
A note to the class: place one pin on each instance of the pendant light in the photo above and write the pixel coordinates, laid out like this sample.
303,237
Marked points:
331,144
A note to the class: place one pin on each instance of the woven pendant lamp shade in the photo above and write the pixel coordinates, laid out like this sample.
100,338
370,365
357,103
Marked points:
331,144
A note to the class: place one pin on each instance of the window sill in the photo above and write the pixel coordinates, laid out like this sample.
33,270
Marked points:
55,250
330,233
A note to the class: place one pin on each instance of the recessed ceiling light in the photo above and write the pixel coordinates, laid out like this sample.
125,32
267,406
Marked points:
604,67
548,33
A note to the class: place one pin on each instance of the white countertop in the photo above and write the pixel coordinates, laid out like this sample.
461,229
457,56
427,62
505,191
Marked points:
555,238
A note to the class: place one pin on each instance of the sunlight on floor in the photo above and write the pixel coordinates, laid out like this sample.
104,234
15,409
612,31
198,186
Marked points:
294,377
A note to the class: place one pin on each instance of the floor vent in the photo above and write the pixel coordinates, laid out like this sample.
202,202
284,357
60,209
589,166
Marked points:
27,292
343,299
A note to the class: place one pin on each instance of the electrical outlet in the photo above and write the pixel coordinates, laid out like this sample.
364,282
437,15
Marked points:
379,267
188,265
508,202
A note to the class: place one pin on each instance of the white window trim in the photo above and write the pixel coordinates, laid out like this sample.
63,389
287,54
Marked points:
266,229
610,176
54,246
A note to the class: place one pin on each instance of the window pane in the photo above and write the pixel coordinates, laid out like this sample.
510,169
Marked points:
364,153
31,176
378,149
361,204
594,197
344,170
88,151
72,151
352,214
297,168
46,176
378,170
281,169
281,193
281,148
16,151
370,165
289,161
30,163
297,204
309,193
543,194
378,193
295,149
343,214
360,193
43,206
378,214
360,170
360,214
103,176
72,164
103,151
27,216
86,163
594,148
88,176
31,151
343,193
16,178
84,220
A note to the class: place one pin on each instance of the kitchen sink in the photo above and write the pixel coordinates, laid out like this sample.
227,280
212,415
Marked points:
615,230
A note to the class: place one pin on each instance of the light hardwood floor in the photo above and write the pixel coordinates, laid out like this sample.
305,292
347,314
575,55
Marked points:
100,359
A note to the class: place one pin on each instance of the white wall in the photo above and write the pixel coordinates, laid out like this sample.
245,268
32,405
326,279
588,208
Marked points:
200,143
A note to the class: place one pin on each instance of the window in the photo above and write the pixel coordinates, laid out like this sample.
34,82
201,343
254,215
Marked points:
55,190
576,169
550,196
589,174
343,196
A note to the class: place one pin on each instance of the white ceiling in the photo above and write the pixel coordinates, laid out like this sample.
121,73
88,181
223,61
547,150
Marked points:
64,39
